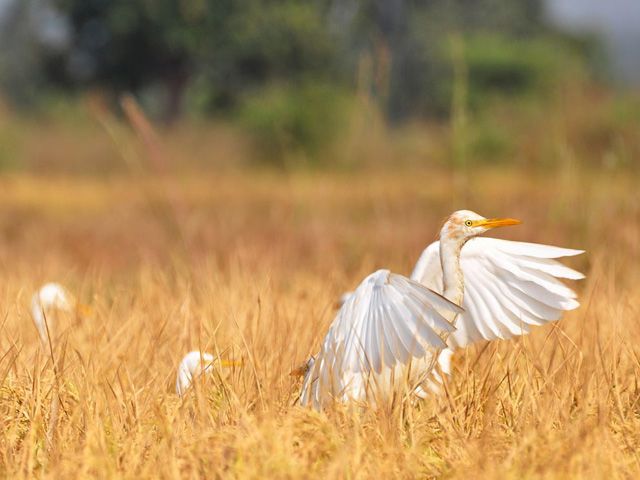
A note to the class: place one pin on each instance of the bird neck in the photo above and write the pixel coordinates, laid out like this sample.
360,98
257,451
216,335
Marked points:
452,276
43,324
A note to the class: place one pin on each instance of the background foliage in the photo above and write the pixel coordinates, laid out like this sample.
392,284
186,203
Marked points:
289,72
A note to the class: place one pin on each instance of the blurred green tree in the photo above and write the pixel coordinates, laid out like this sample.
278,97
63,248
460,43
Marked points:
283,66
222,48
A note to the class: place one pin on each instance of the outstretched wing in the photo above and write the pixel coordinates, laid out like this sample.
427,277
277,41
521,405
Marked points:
508,287
387,321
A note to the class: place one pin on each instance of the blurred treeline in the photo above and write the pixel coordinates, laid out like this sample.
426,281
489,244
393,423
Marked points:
289,72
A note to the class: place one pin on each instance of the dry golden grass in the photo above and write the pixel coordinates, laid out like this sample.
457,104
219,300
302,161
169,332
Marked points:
250,265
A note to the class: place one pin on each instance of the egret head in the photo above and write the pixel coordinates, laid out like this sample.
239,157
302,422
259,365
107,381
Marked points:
51,301
55,296
192,365
198,363
465,224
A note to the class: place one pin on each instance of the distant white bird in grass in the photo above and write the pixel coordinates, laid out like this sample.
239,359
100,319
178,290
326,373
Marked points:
388,330
195,364
46,303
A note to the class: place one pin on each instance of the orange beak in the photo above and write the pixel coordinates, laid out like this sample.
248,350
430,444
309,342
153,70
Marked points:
498,222
231,363
83,310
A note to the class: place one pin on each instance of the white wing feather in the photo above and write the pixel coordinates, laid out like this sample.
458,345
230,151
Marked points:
388,322
509,286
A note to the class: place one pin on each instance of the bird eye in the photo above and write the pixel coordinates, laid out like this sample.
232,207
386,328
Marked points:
468,223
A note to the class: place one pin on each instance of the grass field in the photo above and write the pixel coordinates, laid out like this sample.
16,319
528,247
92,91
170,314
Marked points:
250,265
182,240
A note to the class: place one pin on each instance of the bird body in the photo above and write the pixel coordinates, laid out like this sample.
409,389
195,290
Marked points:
382,334
388,323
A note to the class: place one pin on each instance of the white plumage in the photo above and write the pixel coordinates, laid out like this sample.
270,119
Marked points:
192,366
392,328
197,363
388,322
49,299
508,287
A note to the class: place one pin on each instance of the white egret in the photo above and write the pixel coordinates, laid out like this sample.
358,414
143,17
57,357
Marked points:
46,303
504,287
195,364
50,299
